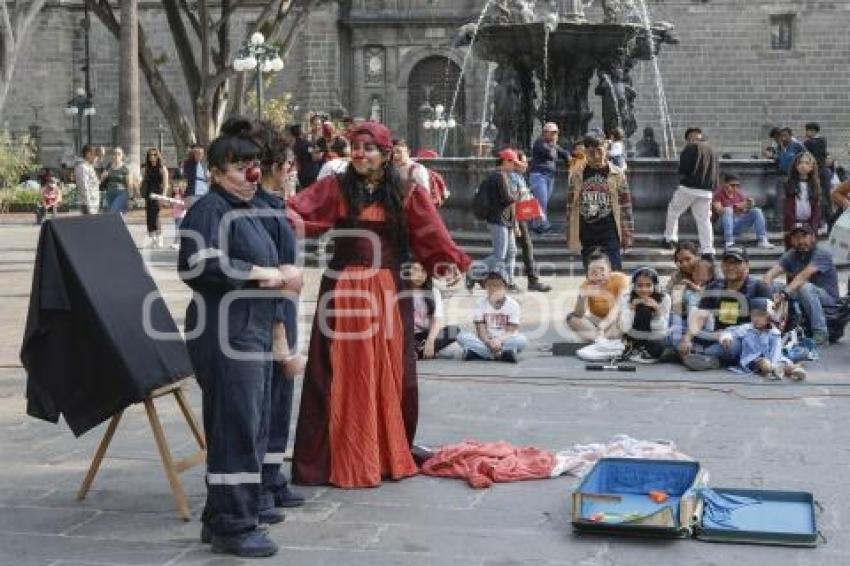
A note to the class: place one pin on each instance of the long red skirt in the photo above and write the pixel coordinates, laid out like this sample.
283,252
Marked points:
359,401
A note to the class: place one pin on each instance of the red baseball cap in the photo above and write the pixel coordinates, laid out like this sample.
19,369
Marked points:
426,154
509,155
379,133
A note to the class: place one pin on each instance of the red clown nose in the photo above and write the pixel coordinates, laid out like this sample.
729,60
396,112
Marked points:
252,174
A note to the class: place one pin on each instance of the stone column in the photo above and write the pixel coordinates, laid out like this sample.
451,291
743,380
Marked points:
573,11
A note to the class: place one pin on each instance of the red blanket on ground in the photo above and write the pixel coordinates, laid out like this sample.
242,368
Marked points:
483,463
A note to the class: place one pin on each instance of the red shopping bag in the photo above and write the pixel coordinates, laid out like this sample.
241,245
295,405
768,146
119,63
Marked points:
528,209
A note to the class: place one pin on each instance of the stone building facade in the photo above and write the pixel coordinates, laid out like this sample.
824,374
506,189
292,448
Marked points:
742,66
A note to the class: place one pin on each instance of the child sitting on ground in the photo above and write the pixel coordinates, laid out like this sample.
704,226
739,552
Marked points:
428,315
597,308
685,292
644,316
496,319
761,345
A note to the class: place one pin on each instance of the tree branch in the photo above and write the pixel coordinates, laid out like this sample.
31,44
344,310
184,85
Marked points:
104,13
193,20
9,33
32,11
215,27
181,130
183,47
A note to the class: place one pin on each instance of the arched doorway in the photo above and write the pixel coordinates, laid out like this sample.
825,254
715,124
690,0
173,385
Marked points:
432,82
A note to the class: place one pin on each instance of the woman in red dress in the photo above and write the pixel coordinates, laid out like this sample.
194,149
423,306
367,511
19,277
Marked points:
359,403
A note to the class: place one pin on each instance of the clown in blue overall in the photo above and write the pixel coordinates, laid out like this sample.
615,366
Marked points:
277,161
233,266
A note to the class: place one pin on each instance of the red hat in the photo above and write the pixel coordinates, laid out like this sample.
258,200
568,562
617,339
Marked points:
509,155
426,154
379,133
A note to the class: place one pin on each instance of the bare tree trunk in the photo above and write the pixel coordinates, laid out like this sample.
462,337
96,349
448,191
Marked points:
14,31
129,117
182,130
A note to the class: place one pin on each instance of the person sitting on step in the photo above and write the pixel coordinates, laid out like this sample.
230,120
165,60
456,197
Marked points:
737,212
812,279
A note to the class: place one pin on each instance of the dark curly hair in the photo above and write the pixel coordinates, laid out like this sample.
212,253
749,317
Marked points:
391,194
275,148
236,142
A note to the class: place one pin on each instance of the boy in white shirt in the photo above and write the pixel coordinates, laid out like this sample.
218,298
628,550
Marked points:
496,319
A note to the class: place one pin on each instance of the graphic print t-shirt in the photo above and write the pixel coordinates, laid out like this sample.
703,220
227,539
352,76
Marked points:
596,207
497,319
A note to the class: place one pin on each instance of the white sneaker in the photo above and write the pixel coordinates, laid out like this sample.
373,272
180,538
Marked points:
159,243
175,246
729,245
147,242
765,244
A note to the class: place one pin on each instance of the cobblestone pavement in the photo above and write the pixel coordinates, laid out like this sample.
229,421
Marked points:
748,434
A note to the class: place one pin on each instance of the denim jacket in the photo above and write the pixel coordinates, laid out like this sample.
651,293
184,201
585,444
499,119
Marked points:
756,344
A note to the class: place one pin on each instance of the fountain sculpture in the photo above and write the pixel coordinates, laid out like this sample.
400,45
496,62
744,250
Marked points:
548,54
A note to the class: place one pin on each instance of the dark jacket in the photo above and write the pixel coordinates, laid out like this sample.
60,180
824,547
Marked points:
817,147
698,167
500,198
544,156
308,169
190,174
790,205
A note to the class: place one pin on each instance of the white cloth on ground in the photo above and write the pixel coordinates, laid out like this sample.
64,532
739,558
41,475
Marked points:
580,458
602,350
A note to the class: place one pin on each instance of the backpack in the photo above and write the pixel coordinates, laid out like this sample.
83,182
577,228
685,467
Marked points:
837,318
481,201
438,188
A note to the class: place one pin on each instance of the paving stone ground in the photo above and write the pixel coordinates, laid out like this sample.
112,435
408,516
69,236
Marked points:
746,433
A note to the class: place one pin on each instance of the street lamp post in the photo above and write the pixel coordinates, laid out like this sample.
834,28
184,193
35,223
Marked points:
256,54
160,131
441,125
80,106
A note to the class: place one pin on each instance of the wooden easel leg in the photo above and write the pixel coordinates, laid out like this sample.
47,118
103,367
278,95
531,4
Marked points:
180,395
98,456
167,461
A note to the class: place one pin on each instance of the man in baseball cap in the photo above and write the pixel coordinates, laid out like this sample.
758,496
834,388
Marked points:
497,199
726,302
812,279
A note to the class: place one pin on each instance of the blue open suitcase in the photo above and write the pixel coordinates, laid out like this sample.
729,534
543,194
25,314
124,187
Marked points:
614,498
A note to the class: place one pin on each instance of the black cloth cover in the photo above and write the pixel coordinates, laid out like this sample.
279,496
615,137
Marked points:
85,349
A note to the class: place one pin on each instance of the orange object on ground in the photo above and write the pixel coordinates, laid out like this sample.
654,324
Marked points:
658,496
483,463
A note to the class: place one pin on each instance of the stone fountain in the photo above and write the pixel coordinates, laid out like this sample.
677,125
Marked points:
548,55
